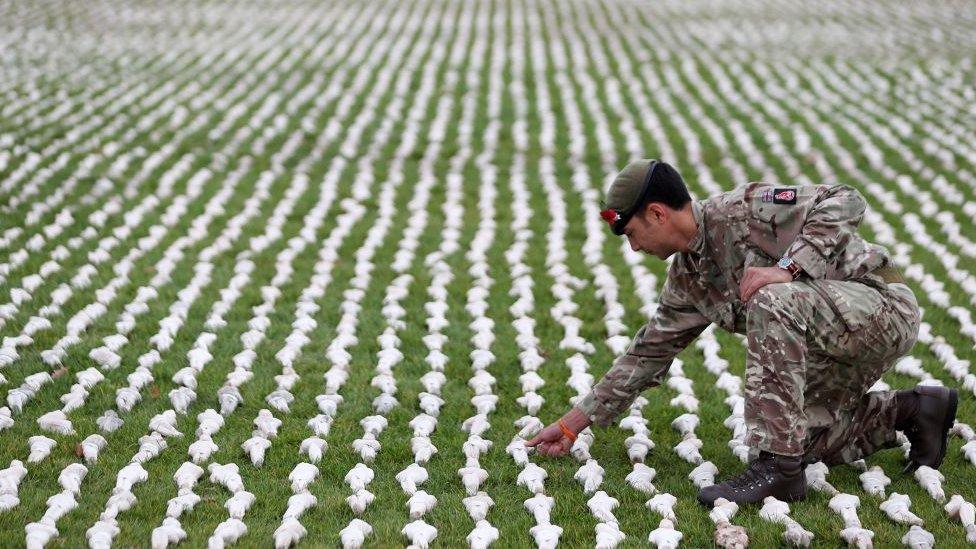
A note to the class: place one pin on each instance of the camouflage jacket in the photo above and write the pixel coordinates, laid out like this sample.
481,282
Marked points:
753,225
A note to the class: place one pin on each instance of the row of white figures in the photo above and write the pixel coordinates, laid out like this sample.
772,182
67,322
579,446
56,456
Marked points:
607,287
59,296
168,423
478,502
360,476
164,268
171,531
209,421
280,398
531,476
420,502
127,320
472,475
732,385
726,534
291,531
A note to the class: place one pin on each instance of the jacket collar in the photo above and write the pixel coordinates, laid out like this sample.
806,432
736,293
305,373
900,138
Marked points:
697,243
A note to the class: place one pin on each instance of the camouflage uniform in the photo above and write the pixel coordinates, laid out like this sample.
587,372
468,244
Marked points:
815,345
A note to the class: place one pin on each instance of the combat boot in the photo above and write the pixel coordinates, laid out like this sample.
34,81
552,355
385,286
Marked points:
769,475
925,415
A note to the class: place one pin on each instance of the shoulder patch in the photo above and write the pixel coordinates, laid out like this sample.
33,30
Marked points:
783,196
767,195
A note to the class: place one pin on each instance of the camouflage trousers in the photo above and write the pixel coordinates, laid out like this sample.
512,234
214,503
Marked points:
814,349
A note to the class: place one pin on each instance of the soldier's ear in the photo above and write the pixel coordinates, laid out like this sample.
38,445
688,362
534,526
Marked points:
656,213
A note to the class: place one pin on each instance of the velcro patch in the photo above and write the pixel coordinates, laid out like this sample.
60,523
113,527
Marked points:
784,196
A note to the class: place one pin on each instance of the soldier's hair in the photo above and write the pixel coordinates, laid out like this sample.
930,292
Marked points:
667,187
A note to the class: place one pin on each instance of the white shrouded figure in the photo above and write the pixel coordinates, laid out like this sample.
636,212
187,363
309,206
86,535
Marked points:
897,508
532,477
602,505
187,475
478,505
540,505
289,533
56,422
226,533
918,538
360,500
608,535
419,533
314,447
704,474
590,476
546,535
255,448
101,533
641,478
663,504
482,536
665,536
472,477
170,532
776,511
355,533
638,446
40,448
359,477
420,503
518,451
302,475
875,481
965,512
816,475
411,476
238,504
931,480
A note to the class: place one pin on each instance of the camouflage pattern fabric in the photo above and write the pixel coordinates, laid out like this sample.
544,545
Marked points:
755,225
815,348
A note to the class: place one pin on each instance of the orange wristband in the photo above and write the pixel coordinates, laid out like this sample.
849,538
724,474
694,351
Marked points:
569,434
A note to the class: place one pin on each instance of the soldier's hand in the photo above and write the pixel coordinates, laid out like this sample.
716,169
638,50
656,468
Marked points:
757,277
551,441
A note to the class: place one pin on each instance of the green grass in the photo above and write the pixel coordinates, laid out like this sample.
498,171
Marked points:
237,57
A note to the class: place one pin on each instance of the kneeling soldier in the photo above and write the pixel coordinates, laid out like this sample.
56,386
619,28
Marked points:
824,311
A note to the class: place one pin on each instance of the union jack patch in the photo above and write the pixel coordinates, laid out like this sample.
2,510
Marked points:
767,195
784,196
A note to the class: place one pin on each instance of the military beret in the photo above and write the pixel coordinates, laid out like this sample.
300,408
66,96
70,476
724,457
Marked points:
631,189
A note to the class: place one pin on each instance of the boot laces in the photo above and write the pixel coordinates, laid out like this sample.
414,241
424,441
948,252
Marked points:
757,472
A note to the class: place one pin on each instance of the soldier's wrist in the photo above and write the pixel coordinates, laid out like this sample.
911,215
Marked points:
575,420
787,264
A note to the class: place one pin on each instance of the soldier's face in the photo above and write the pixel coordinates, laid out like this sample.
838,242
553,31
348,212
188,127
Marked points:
649,232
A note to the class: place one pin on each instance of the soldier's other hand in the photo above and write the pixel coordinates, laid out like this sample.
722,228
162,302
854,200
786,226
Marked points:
551,441
757,277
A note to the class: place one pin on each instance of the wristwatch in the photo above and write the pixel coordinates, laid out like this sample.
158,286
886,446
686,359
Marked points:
790,266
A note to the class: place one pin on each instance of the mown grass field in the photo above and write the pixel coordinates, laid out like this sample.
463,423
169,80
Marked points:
209,135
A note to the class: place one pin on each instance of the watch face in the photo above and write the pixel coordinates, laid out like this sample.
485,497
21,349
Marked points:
785,262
